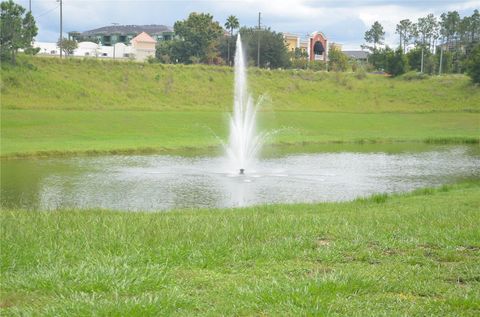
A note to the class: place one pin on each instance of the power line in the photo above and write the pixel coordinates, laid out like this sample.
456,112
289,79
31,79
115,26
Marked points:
46,12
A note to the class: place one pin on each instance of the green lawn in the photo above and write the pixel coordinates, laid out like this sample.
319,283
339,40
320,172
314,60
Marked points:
35,132
56,107
407,255
50,83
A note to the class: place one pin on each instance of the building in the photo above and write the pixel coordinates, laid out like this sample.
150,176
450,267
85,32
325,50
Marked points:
335,46
318,49
361,56
292,41
110,35
143,46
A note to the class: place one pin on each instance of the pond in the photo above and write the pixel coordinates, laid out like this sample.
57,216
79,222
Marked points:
283,175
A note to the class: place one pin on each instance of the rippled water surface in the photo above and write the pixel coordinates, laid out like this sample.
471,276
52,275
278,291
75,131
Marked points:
168,182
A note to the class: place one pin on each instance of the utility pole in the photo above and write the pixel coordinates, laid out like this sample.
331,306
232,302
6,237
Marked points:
115,24
258,38
30,6
421,65
441,61
61,27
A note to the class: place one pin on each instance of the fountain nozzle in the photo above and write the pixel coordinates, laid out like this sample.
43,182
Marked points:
242,171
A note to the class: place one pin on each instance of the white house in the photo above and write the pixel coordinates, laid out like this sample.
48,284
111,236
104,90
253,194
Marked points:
143,46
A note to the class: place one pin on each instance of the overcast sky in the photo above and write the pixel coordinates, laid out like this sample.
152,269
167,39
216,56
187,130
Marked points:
342,21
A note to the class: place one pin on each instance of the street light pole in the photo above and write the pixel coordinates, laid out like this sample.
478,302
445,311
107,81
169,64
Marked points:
258,38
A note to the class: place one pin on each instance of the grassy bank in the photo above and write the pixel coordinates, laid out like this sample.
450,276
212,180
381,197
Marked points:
50,83
57,107
32,132
415,254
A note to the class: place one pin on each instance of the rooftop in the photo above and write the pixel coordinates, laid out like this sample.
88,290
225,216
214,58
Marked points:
356,54
151,29
144,38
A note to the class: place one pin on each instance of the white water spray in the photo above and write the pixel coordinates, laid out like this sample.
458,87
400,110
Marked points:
244,142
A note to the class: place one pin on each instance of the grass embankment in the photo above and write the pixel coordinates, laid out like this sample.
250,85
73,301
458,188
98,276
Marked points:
36,133
173,106
414,254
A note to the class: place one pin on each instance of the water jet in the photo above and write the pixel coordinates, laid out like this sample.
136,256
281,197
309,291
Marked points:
244,142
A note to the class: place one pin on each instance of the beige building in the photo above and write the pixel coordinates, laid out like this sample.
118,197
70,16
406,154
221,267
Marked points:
292,41
336,46
143,46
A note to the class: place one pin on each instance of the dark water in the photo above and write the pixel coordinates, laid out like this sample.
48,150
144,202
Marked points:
283,175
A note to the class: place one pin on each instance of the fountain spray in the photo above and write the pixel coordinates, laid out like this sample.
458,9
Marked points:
244,142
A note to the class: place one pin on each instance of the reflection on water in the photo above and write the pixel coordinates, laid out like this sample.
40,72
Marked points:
167,182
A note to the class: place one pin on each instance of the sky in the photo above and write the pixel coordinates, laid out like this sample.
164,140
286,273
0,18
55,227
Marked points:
342,21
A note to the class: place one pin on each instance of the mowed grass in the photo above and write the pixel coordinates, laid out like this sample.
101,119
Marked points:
76,84
57,132
406,255
57,107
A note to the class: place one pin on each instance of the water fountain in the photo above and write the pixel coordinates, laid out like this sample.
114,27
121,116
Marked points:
244,141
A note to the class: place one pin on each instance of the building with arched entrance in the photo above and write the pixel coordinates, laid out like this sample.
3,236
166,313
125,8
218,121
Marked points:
318,49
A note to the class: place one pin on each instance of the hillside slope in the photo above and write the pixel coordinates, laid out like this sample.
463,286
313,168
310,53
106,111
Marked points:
76,84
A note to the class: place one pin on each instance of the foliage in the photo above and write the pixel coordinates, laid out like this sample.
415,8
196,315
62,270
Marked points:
17,30
273,52
338,61
430,62
379,58
67,46
473,65
426,32
231,24
360,73
199,39
404,29
397,63
446,60
375,35
413,75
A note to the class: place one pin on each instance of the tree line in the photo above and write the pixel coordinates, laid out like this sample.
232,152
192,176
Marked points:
431,45
200,39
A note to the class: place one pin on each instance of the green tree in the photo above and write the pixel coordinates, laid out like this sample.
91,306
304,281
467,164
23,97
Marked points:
380,57
449,25
338,61
397,63
273,52
231,24
375,35
17,30
67,46
404,29
473,64
426,31
199,38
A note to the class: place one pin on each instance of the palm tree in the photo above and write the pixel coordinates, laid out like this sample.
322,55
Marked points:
231,24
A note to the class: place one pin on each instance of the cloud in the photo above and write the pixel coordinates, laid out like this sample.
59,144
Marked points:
343,21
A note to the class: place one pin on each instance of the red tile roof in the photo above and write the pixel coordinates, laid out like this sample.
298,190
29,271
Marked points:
144,38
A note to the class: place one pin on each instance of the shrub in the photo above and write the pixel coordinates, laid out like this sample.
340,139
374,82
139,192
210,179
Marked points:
413,75
397,63
473,64
361,73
